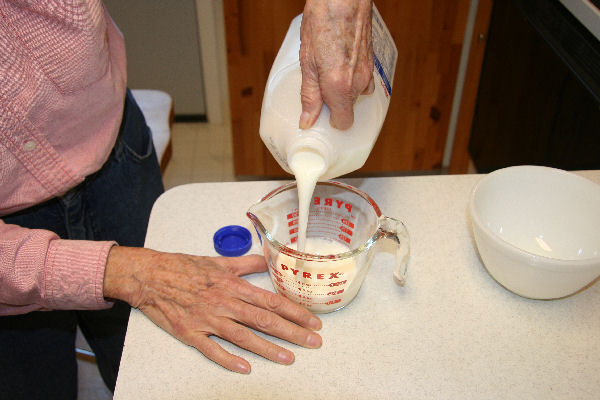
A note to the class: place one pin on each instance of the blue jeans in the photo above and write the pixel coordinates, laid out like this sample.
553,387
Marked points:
37,350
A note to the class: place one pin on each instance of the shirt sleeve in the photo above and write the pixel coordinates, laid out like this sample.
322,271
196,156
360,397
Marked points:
40,271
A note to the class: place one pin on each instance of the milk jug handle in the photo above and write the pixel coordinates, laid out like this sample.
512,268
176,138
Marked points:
396,231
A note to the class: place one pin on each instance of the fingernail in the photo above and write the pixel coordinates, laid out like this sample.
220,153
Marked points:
304,120
315,323
285,357
313,341
243,368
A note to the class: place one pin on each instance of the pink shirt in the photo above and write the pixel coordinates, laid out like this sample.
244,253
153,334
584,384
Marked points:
62,91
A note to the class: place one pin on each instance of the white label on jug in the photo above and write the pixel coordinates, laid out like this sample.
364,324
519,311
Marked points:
385,53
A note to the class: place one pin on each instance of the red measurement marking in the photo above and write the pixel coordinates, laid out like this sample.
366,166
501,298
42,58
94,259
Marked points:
346,230
332,284
347,223
292,215
333,301
293,222
344,238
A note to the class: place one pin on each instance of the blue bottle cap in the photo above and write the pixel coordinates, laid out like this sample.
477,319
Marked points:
232,241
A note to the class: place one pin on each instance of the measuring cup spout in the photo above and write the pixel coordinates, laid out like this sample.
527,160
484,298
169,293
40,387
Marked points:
395,230
265,214
254,215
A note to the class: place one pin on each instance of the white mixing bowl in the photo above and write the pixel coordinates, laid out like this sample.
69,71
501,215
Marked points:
537,230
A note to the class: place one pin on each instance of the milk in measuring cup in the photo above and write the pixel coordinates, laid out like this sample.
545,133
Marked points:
344,225
320,286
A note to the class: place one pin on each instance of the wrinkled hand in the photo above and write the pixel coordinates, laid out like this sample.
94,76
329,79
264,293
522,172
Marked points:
194,298
336,57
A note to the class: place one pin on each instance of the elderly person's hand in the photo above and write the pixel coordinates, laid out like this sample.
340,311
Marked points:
194,298
336,57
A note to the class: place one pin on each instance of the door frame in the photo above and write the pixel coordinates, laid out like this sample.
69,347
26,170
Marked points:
211,36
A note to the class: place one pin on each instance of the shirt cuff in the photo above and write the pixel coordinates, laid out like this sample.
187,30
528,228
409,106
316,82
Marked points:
75,274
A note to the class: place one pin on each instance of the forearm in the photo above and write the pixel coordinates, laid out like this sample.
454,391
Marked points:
40,271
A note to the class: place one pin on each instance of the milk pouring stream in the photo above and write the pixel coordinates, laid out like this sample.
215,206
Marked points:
322,152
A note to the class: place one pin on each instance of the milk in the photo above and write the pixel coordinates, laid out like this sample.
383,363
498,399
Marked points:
319,286
341,151
307,167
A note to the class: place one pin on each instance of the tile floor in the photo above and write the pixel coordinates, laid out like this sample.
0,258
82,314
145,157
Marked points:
201,153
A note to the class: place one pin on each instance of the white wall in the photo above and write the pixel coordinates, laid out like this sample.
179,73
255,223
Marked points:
163,50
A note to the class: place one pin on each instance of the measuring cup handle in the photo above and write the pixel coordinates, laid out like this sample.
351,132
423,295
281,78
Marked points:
396,231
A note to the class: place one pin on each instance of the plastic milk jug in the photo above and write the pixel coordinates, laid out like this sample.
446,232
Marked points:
336,152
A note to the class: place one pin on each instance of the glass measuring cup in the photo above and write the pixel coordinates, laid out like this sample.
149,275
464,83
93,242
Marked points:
339,214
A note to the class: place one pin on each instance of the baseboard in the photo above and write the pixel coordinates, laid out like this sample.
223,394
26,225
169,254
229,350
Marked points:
190,118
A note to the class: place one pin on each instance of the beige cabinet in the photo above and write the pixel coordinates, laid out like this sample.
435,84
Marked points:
429,36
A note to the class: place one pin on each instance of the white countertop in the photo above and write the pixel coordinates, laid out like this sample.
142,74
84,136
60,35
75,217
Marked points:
451,333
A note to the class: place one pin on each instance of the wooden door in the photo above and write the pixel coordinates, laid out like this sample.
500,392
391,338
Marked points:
429,36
